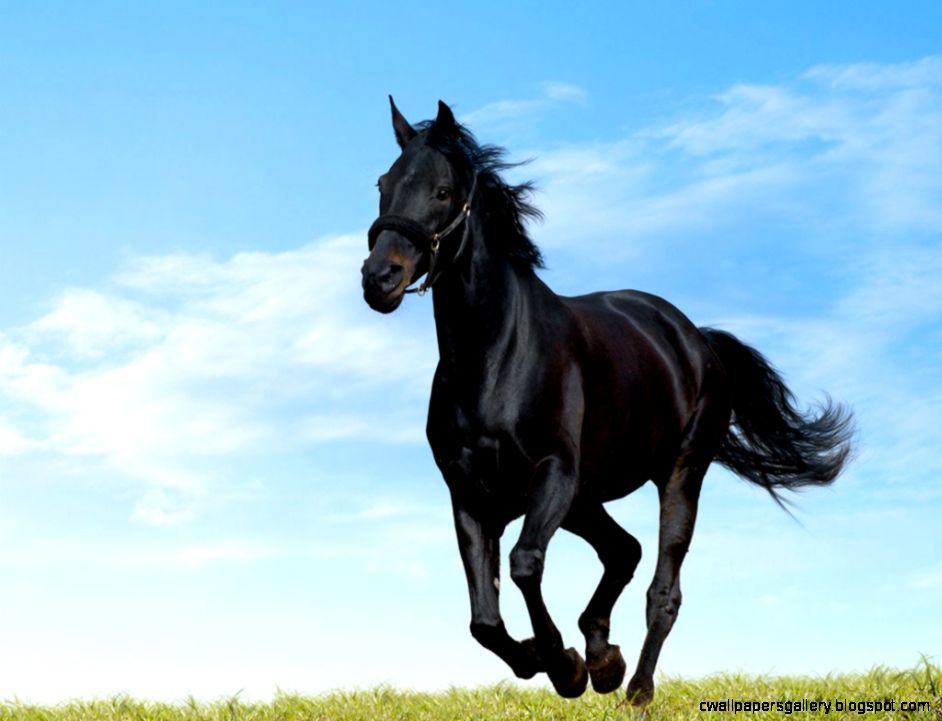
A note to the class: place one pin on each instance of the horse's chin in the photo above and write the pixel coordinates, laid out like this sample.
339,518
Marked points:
385,303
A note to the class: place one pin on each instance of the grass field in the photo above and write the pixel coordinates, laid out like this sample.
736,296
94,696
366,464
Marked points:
674,699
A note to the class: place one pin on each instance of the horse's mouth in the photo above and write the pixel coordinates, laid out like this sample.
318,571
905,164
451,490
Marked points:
386,303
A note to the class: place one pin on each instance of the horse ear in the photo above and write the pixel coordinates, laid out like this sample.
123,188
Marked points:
445,120
404,131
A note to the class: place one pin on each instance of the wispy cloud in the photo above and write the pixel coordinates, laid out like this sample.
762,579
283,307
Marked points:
508,116
183,359
857,146
927,579
922,73
564,91
12,441
385,511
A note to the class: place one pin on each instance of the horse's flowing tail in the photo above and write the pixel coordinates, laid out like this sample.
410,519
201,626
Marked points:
770,442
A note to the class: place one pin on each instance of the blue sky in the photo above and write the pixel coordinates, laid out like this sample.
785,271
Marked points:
213,475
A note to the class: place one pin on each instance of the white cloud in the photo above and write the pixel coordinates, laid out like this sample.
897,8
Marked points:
506,116
12,442
401,426
752,115
920,73
163,506
927,579
830,151
91,324
383,511
564,91
183,358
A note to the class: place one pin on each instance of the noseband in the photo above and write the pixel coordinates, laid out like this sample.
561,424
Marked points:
421,239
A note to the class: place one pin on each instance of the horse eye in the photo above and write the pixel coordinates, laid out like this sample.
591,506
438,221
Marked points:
443,193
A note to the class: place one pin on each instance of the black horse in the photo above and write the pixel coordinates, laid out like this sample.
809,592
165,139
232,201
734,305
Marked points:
548,407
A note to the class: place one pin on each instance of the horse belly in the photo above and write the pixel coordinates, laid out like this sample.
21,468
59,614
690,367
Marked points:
617,473
627,443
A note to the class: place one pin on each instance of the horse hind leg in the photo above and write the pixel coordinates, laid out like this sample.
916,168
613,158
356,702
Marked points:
679,496
620,553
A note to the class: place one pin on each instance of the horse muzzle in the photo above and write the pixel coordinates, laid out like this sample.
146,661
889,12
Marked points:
383,286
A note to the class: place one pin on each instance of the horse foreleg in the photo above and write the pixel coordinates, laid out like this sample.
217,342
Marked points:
480,553
620,554
552,491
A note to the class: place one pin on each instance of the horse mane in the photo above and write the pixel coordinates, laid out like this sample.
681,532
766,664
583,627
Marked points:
508,206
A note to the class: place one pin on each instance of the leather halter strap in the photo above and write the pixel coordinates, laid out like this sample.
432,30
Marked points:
420,237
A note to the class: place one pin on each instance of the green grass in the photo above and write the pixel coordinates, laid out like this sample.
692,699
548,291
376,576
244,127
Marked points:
674,699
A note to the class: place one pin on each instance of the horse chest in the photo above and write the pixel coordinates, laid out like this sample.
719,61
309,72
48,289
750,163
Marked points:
487,469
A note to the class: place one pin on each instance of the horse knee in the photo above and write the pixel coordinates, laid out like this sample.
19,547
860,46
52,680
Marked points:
526,566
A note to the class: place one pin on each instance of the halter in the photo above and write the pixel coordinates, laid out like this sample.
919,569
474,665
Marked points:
418,235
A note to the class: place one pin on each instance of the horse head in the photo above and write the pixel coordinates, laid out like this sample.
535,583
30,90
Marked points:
423,199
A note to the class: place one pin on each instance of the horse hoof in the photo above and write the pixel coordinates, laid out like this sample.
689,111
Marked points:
640,691
569,674
607,670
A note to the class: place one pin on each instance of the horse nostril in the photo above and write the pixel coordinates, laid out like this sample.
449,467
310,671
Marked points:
382,280
390,277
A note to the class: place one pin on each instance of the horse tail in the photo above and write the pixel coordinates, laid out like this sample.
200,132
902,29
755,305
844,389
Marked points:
771,442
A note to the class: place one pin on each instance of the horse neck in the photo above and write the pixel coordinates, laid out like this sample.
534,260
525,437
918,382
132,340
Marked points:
480,304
